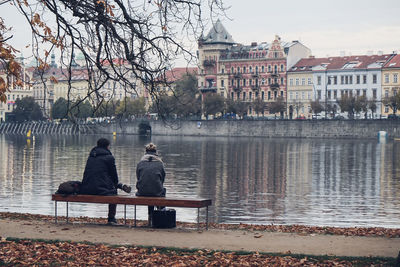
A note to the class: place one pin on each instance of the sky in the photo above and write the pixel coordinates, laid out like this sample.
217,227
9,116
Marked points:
327,27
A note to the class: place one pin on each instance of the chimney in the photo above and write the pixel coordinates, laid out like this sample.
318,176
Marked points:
370,53
254,44
342,53
380,53
311,57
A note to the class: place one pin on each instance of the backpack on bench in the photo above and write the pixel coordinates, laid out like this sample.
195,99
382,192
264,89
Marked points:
69,188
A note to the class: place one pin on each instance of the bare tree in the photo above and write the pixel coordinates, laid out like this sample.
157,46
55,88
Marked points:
123,41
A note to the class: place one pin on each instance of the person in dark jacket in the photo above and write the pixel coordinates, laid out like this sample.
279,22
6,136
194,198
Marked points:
100,176
150,176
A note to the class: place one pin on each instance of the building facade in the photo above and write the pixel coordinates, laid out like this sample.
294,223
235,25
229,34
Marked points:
390,82
246,72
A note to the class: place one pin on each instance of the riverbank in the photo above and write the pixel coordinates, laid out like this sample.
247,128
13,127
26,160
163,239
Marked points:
302,240
222,128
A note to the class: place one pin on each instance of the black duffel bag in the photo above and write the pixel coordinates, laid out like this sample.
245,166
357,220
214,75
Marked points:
165,218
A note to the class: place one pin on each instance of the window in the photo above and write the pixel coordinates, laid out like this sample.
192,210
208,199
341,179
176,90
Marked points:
395,78
309,81
334,79
282,68
309,95
223,71
319,94
244,69
297,95
244,96
318,80
238,95
269,80
341,79
232,95
290,81
222,83
364,79
262,69
250,96
365,92
358,92
269,94
275,68
250,69
374,78
238,69
262,95
386,109
334,94
374,93
346,79
297,81
281,93
358,79
269,68
256,69
386,93
303,95
291,95
351,79
386,78
282,80
303,81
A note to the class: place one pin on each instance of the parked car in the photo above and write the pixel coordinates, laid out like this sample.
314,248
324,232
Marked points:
300,118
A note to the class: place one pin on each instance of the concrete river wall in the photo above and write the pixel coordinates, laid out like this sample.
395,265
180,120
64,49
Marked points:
270,128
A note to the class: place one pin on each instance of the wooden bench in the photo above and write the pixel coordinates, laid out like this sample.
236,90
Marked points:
135,201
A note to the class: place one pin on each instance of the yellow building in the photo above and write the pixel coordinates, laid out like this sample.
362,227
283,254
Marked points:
300,88
390,82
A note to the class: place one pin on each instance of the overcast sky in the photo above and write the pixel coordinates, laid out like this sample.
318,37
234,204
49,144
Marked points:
327,27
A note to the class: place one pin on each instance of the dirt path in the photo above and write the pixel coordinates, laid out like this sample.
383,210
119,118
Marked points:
234,240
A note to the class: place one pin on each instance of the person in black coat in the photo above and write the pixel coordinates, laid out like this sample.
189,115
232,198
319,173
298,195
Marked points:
150,176
100,176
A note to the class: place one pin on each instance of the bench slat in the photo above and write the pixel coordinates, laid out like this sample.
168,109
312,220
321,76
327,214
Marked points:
134,200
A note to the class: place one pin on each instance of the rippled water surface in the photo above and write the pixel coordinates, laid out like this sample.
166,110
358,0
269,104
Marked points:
250,180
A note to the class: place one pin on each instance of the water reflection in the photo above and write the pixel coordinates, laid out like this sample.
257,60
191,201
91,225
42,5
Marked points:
251,180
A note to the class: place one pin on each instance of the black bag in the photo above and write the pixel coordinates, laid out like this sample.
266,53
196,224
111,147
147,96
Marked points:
164,218
69,188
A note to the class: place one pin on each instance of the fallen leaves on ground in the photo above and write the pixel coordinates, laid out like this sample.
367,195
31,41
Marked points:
35,253
299,229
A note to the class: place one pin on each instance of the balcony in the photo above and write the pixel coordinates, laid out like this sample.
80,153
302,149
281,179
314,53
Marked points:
209,63
237,88
274,86
254,74
237,75
255,87
274,74
208,89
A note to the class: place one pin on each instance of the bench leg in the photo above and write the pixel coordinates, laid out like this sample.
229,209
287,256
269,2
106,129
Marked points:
67,211
198,218
207,218
135,216
55,212
125,214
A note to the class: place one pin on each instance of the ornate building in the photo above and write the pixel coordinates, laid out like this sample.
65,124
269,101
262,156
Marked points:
245,72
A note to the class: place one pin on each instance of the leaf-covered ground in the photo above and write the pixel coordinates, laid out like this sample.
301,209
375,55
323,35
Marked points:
40,253
299,229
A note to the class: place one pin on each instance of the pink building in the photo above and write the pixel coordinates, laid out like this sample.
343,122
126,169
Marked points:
246,72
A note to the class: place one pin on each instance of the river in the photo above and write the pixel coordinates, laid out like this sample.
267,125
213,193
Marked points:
326,182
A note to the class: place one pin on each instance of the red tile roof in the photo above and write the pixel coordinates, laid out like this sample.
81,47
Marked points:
394,62
177,73
336,63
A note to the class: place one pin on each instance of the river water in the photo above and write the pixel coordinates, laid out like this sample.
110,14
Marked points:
326,182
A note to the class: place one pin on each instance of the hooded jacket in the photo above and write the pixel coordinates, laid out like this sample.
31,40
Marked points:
150,176
100,176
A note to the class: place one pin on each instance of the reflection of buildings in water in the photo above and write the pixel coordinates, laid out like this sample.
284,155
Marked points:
390,170
244,177
298,173
345,176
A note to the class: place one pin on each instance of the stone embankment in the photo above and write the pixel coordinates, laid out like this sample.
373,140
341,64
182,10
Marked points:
228,128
